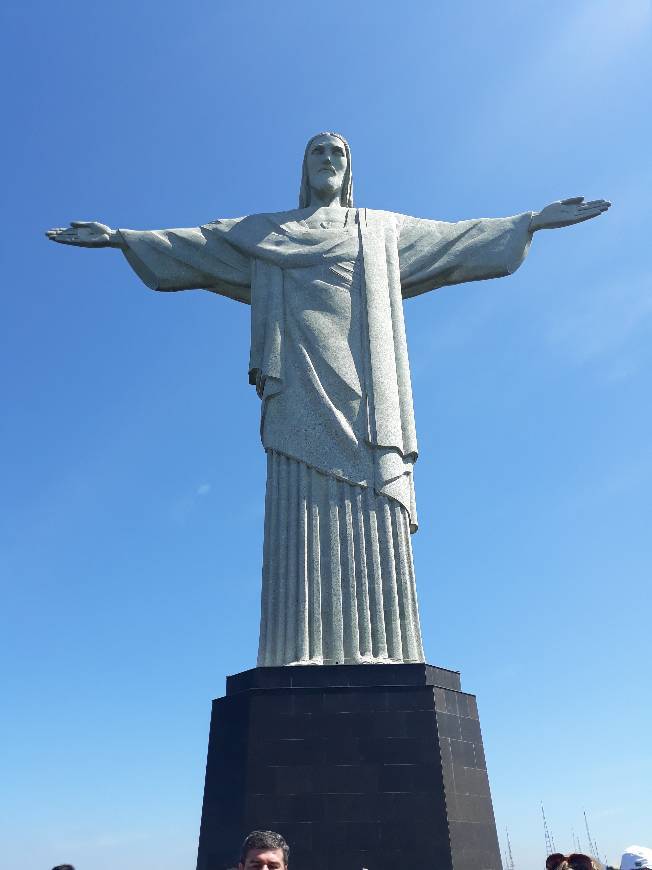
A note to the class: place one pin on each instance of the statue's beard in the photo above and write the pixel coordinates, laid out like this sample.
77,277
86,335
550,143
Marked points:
328,187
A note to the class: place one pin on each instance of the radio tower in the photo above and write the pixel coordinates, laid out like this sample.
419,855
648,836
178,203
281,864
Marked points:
509,862
550,843
577,846
593,846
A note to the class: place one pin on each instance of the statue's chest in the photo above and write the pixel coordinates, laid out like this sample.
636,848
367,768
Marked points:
331,275
332,288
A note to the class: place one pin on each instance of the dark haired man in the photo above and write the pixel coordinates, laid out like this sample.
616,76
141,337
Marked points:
63,867
264,850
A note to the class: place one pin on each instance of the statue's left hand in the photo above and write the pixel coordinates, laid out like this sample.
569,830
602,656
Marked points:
568,212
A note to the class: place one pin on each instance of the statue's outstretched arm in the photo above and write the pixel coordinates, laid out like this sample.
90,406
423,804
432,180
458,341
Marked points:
174,259
567,212
434,254
86,234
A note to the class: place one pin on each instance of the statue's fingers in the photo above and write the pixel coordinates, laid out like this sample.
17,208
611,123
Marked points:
589,215
71,235
80,223
64,239
572,200
596,203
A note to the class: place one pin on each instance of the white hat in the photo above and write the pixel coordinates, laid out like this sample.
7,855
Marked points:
636,858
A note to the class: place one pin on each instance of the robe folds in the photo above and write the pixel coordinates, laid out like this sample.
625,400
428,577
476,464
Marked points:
329,356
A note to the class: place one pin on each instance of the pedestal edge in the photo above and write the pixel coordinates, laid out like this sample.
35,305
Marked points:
343,676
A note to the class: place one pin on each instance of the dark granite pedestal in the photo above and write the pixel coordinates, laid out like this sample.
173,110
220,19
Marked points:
376,766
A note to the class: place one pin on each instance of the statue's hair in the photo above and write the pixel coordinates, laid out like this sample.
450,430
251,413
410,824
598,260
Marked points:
346,196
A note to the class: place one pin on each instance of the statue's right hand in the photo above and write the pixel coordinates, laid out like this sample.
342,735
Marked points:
85,234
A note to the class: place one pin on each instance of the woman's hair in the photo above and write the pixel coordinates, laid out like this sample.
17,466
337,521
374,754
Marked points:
346,196
565,864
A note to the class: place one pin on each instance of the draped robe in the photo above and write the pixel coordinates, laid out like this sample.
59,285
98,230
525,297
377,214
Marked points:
329,356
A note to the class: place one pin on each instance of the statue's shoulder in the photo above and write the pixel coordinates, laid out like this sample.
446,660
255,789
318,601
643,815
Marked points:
269,221
298,214
275,218
222,225
249,226
380,214
388,220
284,217
261,224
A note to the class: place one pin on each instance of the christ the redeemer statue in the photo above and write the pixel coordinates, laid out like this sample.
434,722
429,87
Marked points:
326,284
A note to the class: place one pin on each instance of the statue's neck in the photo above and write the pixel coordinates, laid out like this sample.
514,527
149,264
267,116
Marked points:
325,198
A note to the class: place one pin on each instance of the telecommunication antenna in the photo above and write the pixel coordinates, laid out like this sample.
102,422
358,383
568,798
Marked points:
509,863
593,846
550,843
577,846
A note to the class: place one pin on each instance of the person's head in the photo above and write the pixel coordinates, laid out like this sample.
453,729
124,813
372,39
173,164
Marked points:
576,861
63,867
636,858
326,170
264,850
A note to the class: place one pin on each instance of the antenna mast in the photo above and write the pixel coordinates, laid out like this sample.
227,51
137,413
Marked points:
505,859
593,846
509,864
577,846
550,843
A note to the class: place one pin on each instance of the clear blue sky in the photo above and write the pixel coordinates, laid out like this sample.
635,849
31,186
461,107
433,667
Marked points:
132,483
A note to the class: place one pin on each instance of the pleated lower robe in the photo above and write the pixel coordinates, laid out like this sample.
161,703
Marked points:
338,577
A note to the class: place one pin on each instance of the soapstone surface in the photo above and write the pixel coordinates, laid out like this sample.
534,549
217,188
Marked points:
328,358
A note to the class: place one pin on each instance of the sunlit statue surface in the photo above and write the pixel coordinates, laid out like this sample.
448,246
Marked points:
326,284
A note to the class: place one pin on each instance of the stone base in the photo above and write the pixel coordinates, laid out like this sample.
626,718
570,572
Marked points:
375,766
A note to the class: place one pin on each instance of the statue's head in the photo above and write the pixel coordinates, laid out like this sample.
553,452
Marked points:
327,164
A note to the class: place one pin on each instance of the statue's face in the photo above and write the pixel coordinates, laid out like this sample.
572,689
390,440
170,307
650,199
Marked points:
326,162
